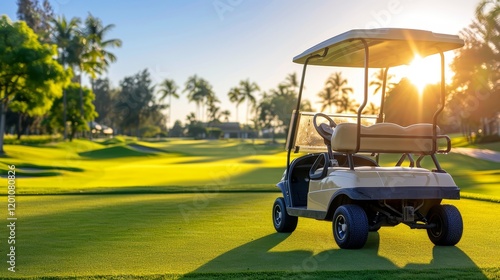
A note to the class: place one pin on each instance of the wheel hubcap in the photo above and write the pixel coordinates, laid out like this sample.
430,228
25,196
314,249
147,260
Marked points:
340,227
437,230
277,215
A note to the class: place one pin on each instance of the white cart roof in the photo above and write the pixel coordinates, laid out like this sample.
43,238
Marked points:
388,47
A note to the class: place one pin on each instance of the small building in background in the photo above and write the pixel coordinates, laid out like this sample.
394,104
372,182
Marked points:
229,129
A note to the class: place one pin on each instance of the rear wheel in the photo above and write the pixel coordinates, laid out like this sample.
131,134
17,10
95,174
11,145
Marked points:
350,226
281,220
449,225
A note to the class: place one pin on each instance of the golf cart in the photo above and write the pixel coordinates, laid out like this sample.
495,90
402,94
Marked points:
338,178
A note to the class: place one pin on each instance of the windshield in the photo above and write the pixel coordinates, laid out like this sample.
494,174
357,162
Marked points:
307,139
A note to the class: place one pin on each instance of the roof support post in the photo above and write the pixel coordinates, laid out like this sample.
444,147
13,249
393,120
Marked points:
295,116
365,96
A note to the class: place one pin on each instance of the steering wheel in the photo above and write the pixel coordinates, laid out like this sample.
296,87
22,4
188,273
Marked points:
325,130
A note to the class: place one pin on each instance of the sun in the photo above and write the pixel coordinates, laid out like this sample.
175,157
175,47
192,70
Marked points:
424,71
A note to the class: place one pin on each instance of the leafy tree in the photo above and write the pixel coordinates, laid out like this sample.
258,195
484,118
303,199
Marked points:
177,130
36,16
194,127
168,88
267,114
274,111
29,76
149,131
105,97
136,104
405,106
475,89
77,121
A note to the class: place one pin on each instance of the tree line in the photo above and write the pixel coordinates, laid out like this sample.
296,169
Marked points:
41,66
46,57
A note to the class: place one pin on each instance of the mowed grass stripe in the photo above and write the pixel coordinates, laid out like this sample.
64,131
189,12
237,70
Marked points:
169,166
177,234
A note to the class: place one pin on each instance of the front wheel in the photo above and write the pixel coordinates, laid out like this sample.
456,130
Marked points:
350,226
448,223
281,220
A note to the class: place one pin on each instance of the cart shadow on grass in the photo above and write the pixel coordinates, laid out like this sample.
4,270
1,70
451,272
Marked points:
257,257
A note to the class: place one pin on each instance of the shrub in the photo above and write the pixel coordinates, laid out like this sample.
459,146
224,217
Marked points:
214,133
149,131
31,139
488,139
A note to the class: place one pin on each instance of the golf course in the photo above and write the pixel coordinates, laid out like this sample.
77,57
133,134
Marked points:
172,209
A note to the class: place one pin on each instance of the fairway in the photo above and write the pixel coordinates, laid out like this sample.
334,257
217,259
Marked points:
202,209
174,234
119,166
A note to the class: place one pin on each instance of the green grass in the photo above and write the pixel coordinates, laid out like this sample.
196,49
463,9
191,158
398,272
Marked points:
201,209
88,167
458,140
128,166
228,235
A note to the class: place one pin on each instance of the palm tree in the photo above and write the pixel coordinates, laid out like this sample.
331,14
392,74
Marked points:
234,95
327,98
339,86
95,33
168,88
213,110
64,35
371,109
247,89
378,81
226,114
191,87
334,92
96,55
209,98
191,118
292,81
199,91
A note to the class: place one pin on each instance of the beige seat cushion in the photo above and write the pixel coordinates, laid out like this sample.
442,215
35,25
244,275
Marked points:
344,138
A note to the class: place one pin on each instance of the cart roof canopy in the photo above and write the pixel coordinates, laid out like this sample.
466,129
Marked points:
388,47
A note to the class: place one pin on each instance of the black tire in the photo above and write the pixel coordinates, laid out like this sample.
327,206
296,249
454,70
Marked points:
350,226
449,225
281,220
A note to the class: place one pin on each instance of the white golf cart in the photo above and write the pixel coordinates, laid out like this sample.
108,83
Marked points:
340,179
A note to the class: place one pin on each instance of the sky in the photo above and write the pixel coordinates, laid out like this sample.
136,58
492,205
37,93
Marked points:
226,41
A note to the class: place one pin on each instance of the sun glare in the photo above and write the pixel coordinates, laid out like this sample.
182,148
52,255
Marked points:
424,71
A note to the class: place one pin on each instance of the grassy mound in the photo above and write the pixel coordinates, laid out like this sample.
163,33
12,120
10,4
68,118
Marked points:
114,152
117,140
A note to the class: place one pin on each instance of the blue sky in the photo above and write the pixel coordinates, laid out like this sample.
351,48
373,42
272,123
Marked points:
225,41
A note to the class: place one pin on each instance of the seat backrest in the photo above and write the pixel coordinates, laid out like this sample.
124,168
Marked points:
384,138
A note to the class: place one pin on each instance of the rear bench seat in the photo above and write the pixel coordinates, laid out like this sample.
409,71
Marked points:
344,138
